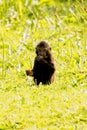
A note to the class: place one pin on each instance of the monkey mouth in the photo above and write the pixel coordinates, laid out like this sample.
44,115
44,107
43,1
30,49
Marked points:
43,56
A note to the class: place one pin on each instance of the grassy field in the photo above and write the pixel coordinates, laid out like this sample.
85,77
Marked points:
63,104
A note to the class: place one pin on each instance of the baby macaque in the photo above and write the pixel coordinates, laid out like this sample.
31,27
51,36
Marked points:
44,68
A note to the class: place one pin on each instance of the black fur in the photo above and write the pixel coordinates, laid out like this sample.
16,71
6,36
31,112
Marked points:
44,67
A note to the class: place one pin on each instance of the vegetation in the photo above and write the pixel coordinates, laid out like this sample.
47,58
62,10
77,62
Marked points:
63,104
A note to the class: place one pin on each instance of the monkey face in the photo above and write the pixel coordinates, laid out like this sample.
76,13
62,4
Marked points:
43,49
43,52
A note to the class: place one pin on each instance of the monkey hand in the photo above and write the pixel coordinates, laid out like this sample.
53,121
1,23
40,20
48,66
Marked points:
29,72
39,58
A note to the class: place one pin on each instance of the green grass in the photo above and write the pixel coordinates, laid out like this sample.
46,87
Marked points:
63,104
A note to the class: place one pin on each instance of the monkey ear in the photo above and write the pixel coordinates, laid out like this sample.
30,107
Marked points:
50,48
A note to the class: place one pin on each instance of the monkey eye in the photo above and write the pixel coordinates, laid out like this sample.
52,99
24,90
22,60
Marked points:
38,51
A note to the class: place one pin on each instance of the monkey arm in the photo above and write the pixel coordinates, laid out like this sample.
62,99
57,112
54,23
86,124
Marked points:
51,66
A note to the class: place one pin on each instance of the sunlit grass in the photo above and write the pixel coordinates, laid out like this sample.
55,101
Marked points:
63,104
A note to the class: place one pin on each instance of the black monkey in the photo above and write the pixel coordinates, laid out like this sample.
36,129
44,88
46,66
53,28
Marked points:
44,67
